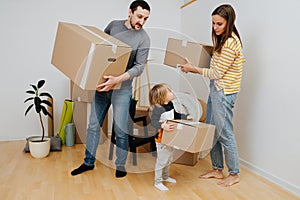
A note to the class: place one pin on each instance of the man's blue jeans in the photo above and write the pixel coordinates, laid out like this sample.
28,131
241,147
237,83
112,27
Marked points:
219,113
120,99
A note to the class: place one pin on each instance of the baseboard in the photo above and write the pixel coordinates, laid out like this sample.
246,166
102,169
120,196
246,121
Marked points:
274,179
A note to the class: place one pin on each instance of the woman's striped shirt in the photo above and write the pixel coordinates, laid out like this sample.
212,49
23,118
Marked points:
226,67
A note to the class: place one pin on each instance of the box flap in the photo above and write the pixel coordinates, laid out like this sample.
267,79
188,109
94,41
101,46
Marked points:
107,37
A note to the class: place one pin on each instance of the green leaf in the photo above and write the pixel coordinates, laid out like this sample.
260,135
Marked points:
37,103
46,94
34,87
30,92
28,99
41,83
48,103
27,110
45,111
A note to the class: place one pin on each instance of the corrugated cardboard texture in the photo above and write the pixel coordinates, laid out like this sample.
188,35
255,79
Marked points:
78,94
185,158
85,54
81,114
190,138
199,55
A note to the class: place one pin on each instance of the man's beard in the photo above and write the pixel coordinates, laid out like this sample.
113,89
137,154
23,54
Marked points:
133,26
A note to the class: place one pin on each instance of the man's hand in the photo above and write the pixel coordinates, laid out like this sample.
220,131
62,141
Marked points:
110,82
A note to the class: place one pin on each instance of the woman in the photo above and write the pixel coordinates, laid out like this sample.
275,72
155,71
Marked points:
225,75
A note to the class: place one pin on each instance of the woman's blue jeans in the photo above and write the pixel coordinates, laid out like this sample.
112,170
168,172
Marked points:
219,113
120,100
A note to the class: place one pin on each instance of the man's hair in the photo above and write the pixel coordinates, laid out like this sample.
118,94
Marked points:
135,4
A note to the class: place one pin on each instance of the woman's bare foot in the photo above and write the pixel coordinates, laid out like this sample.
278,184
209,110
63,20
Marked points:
231,179
215,173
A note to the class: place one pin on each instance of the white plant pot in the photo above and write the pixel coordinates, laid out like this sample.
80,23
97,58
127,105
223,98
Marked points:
39,149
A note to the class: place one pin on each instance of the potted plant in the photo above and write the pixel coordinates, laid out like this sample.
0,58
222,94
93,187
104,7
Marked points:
39,146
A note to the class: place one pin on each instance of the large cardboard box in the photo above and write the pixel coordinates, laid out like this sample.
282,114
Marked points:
185,158
199,55
85,54
79,94
189,136
81,113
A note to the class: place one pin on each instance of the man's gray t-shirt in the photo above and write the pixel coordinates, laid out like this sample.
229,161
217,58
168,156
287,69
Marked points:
138,40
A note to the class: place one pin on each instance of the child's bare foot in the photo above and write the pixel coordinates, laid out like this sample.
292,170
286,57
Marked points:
231,179
215,173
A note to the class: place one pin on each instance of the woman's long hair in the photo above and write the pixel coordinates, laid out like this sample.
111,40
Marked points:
227,12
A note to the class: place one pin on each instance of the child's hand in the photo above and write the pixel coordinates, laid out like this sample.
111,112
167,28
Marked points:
189,118
167,126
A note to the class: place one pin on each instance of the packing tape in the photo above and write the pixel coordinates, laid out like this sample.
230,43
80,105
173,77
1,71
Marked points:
87,66
184,43
179,126
113,46
91,55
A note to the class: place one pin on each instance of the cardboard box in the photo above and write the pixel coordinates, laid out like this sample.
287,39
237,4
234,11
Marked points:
85,54
185,158
79,94
189,136
199,55
81,114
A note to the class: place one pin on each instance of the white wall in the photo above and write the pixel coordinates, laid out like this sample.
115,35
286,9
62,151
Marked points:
27,39
266,113
266,110
26,49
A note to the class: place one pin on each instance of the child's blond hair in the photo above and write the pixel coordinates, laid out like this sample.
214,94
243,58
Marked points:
158,94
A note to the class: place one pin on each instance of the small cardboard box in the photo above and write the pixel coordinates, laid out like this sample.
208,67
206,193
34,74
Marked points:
185,158
190,136
85,54
199,55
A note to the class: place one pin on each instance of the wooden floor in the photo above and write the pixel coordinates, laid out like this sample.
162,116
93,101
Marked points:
23,177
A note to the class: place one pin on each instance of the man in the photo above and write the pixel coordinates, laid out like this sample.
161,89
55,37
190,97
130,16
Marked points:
131,32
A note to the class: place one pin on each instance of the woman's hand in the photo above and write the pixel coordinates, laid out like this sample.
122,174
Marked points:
187,67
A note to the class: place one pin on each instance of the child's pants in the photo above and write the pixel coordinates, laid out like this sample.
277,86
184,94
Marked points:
163,162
